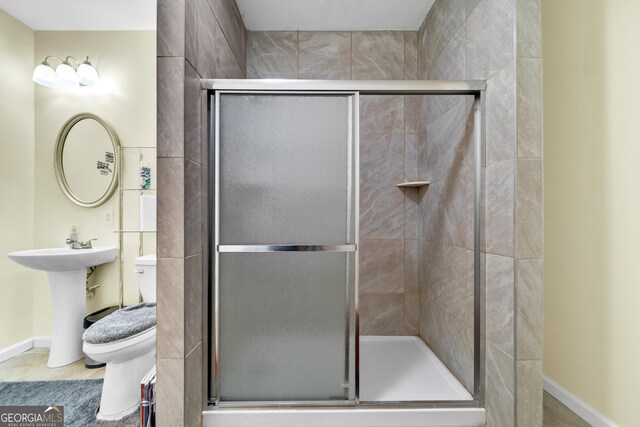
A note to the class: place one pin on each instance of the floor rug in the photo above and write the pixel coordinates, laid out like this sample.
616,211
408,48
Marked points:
80,398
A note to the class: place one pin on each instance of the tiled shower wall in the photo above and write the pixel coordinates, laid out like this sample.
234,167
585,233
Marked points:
196,39
200,38
389,224
497,41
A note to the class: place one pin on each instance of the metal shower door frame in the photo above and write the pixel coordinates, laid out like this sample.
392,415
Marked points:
352,223
477,89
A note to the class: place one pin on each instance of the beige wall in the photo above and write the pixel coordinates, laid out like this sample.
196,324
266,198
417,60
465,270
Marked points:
30,118
16,177
126,99
592,199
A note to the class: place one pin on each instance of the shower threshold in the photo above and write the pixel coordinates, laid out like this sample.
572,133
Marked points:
392,369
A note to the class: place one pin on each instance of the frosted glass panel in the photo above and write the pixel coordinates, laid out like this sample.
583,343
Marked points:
283,326
284,169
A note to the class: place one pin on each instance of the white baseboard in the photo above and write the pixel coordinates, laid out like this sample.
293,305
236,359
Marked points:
577,405
39,342
16,349
22,346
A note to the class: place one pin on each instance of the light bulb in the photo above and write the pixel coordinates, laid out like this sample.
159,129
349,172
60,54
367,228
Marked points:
44,75
87,74
67,75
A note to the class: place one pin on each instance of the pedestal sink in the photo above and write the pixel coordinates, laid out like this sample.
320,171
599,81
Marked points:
67,270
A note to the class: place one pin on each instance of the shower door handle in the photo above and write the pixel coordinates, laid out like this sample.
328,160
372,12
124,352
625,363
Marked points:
287,248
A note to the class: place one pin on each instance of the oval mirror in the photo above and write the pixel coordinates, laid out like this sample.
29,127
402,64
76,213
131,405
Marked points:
87,160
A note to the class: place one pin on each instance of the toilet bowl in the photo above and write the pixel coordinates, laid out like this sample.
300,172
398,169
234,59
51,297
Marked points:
126,341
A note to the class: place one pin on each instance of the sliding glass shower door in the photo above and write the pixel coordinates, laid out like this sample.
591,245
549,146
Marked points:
285,240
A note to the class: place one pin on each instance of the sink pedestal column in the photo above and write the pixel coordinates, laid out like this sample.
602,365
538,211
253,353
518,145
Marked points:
68,292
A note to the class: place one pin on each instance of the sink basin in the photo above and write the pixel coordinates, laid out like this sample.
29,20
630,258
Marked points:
67,271
63,259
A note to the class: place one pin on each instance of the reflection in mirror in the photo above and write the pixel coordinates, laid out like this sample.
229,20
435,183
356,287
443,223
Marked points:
87,160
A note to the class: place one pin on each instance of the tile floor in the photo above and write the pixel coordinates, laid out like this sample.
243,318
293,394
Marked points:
32,366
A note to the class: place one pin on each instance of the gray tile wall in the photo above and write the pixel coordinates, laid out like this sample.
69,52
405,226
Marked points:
196,39
199,38
529,214
389,216
497,41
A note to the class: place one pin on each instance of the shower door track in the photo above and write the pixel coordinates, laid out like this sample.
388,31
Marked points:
475,88
347,404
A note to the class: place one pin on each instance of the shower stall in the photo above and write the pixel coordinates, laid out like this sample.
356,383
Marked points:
284,213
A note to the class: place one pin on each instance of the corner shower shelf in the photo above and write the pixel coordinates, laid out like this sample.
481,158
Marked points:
413,184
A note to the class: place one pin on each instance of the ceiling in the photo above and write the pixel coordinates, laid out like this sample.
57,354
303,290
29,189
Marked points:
324,15
83,15
311,15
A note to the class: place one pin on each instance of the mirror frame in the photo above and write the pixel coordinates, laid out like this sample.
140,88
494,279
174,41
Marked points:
58,166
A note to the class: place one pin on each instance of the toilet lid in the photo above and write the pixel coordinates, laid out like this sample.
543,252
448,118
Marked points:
121,324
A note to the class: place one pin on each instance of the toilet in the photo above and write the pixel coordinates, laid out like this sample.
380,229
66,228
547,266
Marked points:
126,341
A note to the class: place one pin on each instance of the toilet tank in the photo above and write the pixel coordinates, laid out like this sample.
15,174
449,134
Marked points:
146,272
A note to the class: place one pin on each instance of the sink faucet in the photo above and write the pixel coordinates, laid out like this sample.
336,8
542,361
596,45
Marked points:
80,245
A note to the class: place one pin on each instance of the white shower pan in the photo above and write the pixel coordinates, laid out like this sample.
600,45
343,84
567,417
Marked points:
392,369
403,368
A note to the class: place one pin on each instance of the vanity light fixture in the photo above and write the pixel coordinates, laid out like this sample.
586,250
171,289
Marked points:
65,75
